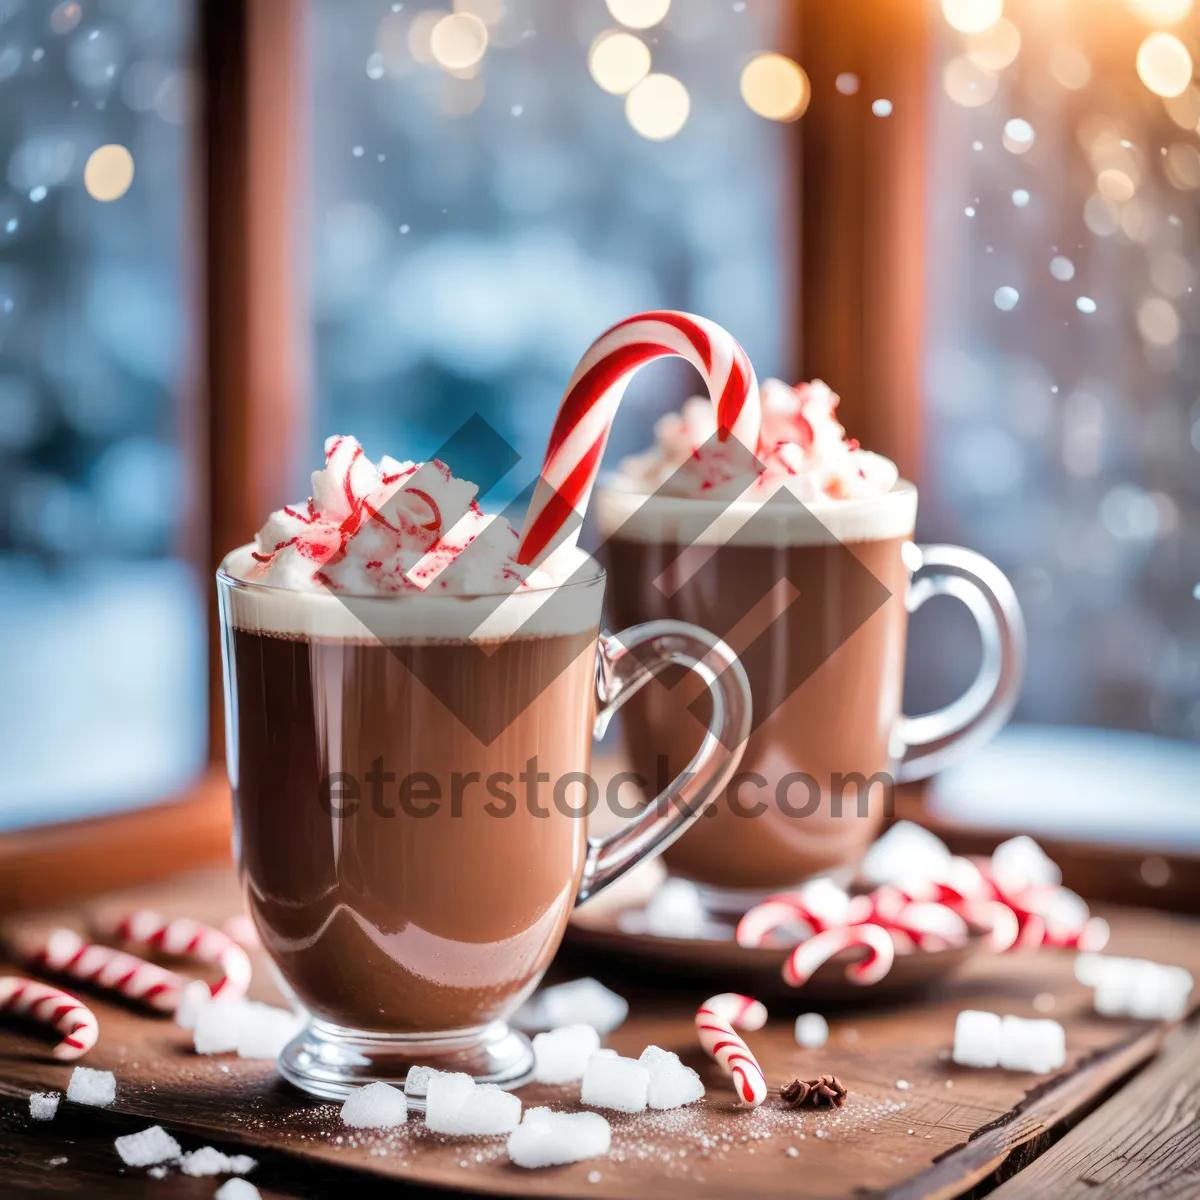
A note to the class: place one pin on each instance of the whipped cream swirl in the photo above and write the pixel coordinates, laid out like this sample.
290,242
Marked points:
390,528
801,446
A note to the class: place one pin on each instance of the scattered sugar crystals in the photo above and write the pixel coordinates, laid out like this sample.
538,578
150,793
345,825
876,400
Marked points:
148,1148
98,1088
43,1105
376,1106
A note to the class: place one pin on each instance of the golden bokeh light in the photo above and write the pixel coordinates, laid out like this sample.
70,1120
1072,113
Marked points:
1161,12
618,61
1137,221
638,14
1172,274
1102,215
1164,64
775,87
995,48
1157,321
967,83
1070,66
108,173
1182,166
1116,185
458,41
972,16
490,12
658,107
420,34
1184,109
1018,136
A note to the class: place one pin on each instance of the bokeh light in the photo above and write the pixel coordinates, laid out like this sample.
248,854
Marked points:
420,35
775,87
1062,268
108,173
1157,321
1172,274
881,108
1006,298
658,107
65,17
490,12
1184,109
1070,66
1164,64
972,16
995,48
618,61
1020,198
847,83
1102,215
638,14
1116,185
967,83
1018,135
1182,166
1086,305
1161,12
458,41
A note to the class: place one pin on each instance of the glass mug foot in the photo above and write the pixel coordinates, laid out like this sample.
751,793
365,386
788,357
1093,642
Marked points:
328,1061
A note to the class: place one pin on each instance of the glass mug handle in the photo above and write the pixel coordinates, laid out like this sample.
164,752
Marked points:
934,740
627,662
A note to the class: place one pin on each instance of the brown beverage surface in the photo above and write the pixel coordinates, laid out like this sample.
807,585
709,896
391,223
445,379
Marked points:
384,920
838,720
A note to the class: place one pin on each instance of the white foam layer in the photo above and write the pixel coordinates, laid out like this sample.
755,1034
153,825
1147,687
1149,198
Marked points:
781,522
414,616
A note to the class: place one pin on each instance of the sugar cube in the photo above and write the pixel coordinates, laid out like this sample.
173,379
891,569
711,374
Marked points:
92,1087
905,850
264,1030
672,1083
208,1160
237,1189
145,1149
812,1031
676,910
376,1106
620,1083
548,1139
416,1082
977,1039
43,1105
192,999
582,1001
1021,863
217,1026
447,1093
562,1054
488,1109
158,1172
1039,1046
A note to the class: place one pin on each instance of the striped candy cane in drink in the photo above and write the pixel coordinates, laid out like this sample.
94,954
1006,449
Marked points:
715,1027
64,952
593,396
51,1006
809,955
187,939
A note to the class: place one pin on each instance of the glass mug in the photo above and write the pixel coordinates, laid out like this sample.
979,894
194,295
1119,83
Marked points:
410,799
815,600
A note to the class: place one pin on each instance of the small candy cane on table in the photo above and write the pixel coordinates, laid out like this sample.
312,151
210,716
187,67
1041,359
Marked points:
820,948
716,1019
51,1006
241,929
187,939
64,952
594,394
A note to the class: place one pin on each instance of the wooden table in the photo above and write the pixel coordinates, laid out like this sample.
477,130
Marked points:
915,1124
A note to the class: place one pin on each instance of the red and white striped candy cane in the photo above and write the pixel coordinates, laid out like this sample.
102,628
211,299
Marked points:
241,929
52,1006
184,938
594,393
819,949
64,952
785,912
715,1022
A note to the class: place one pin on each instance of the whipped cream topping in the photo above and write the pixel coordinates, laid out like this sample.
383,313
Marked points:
386,529
801,446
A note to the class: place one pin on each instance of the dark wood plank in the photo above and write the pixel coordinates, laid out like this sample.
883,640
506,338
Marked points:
887,1134
1144,1142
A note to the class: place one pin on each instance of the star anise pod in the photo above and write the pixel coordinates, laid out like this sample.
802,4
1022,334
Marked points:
826,1091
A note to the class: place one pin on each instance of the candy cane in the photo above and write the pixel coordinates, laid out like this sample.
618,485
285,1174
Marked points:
52,1006
241,929
715,1021
64,952
185,938
819,949
594,394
